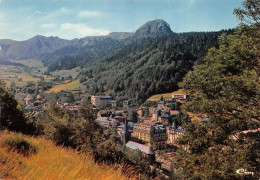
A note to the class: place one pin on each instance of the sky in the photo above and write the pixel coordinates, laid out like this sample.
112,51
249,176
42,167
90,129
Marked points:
69,19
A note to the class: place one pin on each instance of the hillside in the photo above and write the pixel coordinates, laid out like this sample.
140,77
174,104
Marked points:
95,49
136,66
88,50
151,66
50,162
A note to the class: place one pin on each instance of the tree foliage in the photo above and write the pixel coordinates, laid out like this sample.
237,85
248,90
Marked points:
148,66
12,116
226,88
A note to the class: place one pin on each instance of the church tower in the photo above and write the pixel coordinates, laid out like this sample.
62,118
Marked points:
125,133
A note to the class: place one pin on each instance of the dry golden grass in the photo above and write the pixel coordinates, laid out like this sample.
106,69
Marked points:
68,86
47,78
52,162
8,77
27,78
157,97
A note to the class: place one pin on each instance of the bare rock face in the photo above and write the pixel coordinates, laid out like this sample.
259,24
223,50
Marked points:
153,28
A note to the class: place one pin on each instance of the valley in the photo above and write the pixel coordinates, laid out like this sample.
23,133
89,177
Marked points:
153,102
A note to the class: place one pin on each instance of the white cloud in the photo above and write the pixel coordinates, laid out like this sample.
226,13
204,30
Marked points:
80,30
61,12
90,14
49,26
64,10
37,12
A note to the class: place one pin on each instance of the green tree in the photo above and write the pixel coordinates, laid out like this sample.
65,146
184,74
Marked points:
12,116
91,133
133,116
226,88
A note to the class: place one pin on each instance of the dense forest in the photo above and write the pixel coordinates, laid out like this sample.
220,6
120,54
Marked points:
148,66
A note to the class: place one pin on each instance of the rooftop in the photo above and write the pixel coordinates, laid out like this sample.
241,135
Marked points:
165,116
106,97
141,147
160,102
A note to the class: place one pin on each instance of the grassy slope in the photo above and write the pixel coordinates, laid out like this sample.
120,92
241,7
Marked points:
52,162
68,86
8,78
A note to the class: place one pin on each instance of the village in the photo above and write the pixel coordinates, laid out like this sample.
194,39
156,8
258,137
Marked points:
152,129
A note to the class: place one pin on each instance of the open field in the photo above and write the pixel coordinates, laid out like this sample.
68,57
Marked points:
157,97
20,76
65,73
16,74
51,162
36,66
67,86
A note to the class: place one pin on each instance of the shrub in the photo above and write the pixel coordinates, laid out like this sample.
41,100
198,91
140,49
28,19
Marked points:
19,144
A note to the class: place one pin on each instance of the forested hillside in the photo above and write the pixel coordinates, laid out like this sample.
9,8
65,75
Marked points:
148,66
86,51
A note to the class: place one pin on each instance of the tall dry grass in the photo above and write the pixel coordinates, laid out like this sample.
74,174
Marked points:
68,86
52,162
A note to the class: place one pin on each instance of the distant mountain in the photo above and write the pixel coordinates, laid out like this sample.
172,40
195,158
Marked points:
31,48
51,49
88,50
95,49
153,28
120,35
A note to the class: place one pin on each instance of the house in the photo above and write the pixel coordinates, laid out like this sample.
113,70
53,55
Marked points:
99,101
174,112
120,119
125,104
107,122
30,107
154,135
174,133
141,112
165,118
28,99
113,103
161,105
156,114
146,151
168,107
205,120
180,97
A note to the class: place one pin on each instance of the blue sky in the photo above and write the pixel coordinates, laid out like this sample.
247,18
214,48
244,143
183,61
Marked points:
23,19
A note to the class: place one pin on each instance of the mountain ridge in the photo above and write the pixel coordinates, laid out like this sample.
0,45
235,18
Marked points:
153,28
